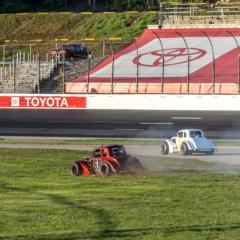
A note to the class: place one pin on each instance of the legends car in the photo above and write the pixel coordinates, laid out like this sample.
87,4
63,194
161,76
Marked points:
106,160
186,142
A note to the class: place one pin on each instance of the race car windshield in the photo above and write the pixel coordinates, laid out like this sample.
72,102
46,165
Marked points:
196,134
117,150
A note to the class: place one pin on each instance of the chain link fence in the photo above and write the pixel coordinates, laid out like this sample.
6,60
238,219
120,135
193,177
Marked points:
32,68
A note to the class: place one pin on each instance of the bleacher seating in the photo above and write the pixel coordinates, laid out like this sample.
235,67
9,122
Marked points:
223,12
24,77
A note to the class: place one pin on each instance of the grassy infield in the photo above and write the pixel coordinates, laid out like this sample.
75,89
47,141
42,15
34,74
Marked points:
40,200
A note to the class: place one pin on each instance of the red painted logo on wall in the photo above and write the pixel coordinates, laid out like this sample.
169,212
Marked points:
42,102
168,57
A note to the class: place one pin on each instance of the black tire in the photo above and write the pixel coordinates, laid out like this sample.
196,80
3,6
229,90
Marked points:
211,152
105,170
164,148
76,170
184,149
133,165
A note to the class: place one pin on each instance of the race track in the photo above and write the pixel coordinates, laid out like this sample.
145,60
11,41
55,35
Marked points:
116,123
223,154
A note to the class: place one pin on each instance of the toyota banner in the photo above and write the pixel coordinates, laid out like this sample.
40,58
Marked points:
55,102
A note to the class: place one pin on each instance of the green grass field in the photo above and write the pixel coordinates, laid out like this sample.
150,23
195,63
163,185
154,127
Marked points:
73,26
40,200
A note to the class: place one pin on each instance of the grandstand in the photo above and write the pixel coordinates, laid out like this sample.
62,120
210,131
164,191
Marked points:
223,13
181,60
28,76
194,49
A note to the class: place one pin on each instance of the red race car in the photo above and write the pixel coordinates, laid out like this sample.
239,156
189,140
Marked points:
107,160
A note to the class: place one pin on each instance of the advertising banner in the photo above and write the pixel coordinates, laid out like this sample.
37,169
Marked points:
172,56
43,101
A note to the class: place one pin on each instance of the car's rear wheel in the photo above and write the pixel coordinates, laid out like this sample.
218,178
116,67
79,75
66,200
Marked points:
76,170
134,163
184,149
164,148
211,152
105,170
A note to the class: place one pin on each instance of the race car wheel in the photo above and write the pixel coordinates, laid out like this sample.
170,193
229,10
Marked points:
105,170
184,149
211,152
76,170
164,148
134,163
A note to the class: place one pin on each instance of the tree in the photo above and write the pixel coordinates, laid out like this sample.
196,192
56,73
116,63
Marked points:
53,4
13,5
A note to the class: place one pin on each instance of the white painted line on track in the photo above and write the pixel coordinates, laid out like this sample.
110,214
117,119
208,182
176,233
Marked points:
128,129
186,118
156,123
119,122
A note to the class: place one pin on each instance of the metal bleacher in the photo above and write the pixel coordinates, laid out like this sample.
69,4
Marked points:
189,14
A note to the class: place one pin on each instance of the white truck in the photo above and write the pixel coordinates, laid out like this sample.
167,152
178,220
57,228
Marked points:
186,142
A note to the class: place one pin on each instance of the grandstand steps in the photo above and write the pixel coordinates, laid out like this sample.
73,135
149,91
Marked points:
25,76
54,82
77,68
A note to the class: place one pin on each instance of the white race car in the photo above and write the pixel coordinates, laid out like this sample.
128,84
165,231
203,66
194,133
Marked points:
186,142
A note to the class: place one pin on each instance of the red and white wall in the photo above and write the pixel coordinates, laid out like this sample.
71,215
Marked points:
122,102
200,57
43,101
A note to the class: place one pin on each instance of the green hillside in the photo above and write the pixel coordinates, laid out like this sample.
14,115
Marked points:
73,26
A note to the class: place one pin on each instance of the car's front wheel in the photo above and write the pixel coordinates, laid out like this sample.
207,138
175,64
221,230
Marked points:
184,149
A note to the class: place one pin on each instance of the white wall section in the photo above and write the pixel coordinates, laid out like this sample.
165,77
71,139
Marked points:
133,102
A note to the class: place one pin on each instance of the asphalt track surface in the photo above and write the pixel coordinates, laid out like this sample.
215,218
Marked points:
116,123
224,154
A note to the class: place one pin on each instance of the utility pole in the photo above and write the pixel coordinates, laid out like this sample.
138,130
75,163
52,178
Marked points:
92,4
